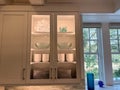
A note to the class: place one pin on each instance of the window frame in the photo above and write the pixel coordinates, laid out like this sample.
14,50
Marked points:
115,27
99,46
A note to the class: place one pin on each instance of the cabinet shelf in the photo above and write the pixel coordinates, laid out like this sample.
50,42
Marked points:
48,33
40,33
45,65
40,65
65,33
40,51
66,65
66,50
48,50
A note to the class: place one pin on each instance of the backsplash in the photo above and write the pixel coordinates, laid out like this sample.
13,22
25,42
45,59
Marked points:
54,87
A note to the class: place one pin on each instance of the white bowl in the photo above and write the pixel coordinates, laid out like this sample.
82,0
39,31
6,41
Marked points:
42,45
64,45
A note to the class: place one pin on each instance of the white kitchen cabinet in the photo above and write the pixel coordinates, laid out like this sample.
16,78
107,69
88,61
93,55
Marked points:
55,48
13,43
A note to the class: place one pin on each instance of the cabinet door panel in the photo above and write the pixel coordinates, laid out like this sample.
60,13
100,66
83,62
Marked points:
39,68
13,48
66,47
60,62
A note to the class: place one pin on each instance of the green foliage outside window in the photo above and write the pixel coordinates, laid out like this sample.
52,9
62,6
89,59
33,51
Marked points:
115,51
117,73
116,65
91,51
91,64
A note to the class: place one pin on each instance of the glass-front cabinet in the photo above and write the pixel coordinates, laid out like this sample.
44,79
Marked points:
40,47
54,48
66,50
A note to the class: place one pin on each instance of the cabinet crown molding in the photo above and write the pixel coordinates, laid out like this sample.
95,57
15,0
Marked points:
2,2
37,2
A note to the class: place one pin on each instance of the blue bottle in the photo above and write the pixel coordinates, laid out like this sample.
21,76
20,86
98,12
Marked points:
90,81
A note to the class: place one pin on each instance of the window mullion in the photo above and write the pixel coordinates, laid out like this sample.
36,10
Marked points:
89,42
118,40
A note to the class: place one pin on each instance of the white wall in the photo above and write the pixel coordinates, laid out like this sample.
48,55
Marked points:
117,4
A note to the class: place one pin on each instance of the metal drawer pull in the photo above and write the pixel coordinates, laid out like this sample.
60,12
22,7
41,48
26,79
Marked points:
23,74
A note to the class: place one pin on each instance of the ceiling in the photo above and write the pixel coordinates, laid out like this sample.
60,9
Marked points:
56,1
101,17
87,17
46,1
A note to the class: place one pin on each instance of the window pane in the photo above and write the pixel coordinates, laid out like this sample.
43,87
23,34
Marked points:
115,50
113,33
90,50
86,46
93,33
116,66
85,33
91,64
114,46
119,46
119,33
93,46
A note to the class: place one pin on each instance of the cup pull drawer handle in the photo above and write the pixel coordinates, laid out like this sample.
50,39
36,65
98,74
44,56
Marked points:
23,74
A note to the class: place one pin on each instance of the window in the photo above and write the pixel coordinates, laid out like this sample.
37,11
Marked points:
91,50
115,52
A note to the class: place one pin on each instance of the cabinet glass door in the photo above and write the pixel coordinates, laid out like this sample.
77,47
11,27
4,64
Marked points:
40,47
66,48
